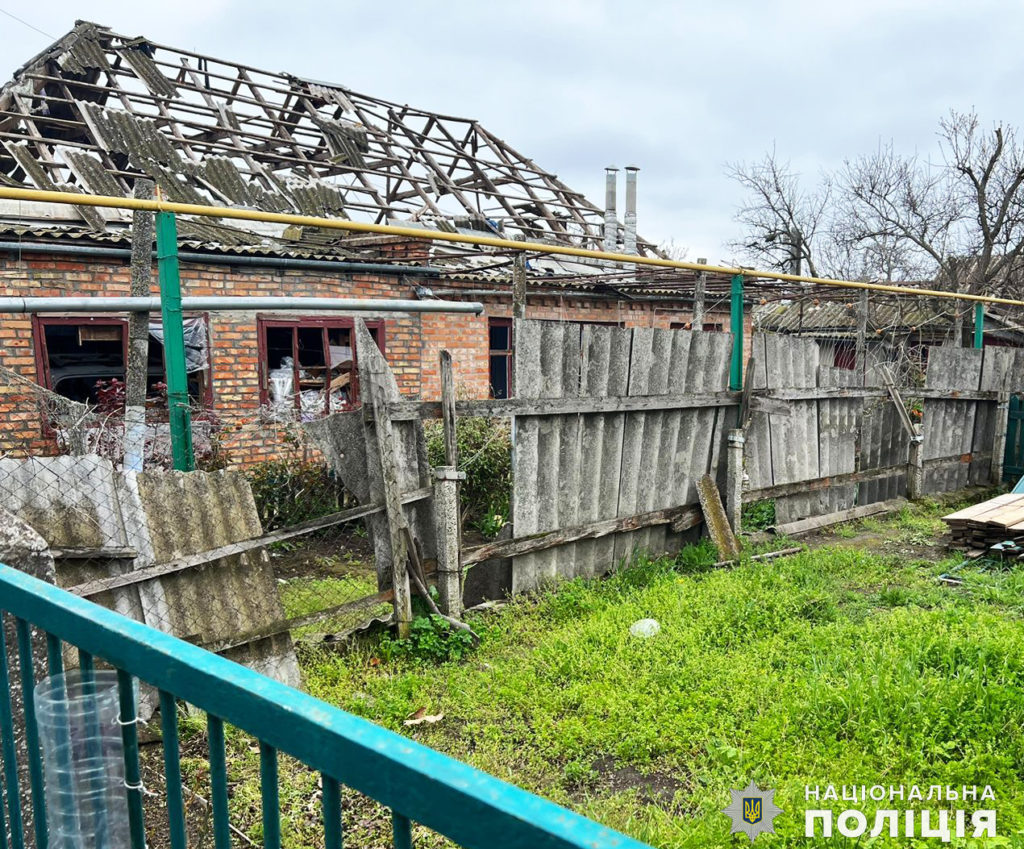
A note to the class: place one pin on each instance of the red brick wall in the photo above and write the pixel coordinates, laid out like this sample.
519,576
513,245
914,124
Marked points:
412,342
233,337
465,336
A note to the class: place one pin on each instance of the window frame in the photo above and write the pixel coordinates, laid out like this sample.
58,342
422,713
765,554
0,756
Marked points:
507,354
42,355
324,323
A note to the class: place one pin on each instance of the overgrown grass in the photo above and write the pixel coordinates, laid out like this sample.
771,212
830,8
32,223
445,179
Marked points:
836,665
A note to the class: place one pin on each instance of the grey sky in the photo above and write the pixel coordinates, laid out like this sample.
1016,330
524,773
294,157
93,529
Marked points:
676,88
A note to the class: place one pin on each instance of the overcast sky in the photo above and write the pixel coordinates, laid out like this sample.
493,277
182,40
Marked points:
679,89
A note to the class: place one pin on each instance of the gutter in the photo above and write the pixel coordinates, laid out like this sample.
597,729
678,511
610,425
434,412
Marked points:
341,266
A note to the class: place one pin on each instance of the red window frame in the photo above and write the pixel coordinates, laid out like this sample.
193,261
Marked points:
42,356
263,323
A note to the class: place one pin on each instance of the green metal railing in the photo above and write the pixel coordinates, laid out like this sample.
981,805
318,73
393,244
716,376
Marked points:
418,784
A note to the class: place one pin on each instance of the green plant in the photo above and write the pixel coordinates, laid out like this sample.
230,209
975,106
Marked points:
430,639
485,455
759,515
291,491
491,523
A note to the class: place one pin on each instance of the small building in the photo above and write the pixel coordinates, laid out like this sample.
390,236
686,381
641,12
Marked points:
97,110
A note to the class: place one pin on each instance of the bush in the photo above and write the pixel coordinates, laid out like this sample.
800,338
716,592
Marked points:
430,639
485,455
758,515
288,492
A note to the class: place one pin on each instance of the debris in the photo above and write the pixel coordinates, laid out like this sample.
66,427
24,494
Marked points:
645,628
717,522
421,716
998,521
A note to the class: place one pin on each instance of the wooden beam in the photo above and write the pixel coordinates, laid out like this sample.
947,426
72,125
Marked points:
680,519
159,570
406,410
803,526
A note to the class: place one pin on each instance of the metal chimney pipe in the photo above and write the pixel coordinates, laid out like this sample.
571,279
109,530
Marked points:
629,222
611,225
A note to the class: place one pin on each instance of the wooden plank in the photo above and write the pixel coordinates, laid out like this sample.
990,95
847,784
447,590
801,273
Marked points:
525,407
679,517
802,526
158,570
823,483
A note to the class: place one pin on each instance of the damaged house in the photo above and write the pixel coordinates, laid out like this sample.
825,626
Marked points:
97,110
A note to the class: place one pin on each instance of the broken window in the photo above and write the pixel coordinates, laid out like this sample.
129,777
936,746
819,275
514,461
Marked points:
500,347
75,353
308,365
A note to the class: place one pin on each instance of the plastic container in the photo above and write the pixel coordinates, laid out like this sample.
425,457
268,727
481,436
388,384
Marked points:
83,760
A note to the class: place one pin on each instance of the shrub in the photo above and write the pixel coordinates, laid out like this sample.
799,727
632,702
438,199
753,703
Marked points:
485,455
759,515
430,639
291,491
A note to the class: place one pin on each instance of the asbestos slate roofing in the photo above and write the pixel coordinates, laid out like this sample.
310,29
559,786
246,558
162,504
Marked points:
97,109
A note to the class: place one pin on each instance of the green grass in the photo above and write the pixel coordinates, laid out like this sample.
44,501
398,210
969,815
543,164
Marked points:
837,665
830,666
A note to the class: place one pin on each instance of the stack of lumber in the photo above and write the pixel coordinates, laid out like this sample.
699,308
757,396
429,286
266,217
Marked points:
983,525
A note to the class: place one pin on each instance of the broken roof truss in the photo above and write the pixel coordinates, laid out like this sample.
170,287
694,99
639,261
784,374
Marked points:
97,109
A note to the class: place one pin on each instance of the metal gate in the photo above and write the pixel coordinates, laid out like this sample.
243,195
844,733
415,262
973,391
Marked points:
1013,462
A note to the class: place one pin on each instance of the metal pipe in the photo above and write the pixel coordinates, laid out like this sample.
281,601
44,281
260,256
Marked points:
73,199
629,219
228,303
224,259
611,225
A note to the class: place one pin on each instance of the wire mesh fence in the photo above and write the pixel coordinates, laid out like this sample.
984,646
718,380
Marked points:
242,560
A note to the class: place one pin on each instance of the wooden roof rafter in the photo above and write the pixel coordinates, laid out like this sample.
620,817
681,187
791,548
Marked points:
227,133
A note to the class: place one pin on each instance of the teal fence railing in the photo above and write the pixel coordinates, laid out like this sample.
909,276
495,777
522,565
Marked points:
418,784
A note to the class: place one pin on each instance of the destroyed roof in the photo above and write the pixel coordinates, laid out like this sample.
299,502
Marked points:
903,314
96,109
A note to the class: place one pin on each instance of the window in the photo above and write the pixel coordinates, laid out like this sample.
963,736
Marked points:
500,347
307,365
74,354
845,355
710,326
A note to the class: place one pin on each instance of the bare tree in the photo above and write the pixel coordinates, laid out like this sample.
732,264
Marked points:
782,220
960,219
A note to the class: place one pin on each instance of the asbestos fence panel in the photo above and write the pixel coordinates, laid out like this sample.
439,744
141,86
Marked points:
83,502
757,456
948,424
839,422
573,469
792,363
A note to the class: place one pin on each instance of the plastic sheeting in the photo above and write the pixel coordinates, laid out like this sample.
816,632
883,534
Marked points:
197,342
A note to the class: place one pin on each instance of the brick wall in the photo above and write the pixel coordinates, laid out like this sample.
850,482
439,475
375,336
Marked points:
412,342
235,364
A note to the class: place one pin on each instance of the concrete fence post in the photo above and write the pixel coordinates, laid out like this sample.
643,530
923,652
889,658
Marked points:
734,479
915,468
446,518
1002,423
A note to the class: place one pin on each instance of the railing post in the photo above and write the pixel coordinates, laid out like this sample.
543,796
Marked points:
736,320
174,342
979,325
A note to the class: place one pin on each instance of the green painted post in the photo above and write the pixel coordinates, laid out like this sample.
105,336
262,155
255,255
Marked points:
979,325
736,373
174,342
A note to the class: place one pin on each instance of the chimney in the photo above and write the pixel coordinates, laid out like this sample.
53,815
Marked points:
611,225
629,241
